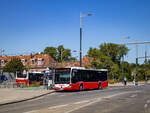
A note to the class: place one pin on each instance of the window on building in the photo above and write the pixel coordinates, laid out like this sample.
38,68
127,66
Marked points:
39,61
32,61
5,61
26,60
23,61
2,62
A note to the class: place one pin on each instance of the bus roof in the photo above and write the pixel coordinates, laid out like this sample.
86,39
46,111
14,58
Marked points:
36,72
83,68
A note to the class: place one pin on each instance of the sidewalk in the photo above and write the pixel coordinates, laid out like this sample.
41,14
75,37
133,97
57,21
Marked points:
128,84
14,95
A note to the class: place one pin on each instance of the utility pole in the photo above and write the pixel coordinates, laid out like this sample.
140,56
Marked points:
122,69
145,74
145,64
136,76
136,43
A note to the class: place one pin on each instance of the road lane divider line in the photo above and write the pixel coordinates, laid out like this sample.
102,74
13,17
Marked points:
134,95
81,102
80,107
33,111
148,101
95,100
59,106
145,106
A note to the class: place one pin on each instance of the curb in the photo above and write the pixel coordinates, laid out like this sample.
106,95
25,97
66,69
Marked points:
17,101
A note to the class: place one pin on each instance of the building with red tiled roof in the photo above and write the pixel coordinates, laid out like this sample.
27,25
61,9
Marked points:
85,62
41,62
38,62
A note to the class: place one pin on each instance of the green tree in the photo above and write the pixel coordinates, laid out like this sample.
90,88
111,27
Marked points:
114,51
108,56
14,65
127,70
52,51
94,52
61,51
148,70
100,61
67,55
59,54
63,54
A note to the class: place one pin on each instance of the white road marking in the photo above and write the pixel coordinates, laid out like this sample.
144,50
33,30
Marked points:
148,101
81,102
33,111
80,107
145,106
96,100
58,106
134,95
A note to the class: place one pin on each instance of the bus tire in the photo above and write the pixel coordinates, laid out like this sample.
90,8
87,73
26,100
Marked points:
81,87
99,86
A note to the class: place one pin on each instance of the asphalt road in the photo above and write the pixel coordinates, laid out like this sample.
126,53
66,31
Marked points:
128,99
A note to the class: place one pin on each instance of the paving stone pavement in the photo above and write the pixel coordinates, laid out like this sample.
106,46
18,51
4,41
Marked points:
9,95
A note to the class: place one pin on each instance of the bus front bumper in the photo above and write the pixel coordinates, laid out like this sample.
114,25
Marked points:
62,87
65,88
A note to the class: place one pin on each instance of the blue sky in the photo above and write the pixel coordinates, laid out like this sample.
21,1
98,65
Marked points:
31,25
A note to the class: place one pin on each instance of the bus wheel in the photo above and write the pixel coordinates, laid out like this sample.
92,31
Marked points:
99,86
81,87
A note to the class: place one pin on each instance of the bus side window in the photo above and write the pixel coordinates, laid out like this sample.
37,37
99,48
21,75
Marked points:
105,75
88,74
102,75
74,76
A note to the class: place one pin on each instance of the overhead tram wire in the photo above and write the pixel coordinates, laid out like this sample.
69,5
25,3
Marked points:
136,43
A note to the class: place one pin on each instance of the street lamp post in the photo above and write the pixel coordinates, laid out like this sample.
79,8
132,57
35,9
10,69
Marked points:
81,15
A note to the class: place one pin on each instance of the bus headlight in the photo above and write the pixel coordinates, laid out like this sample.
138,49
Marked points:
69,86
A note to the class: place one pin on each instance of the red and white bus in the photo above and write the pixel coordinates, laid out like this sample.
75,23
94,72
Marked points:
22,78
29,77
79,78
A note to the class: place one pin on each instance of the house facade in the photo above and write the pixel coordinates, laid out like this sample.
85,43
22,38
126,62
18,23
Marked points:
40,62
35,63
86,61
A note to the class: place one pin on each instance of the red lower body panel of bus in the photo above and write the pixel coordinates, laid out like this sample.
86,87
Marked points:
86,85
20,81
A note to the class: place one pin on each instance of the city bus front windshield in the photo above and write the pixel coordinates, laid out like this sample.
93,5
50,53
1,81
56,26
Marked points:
62,76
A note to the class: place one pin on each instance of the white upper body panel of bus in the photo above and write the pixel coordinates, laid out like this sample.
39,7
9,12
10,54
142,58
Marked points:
36,72
83,68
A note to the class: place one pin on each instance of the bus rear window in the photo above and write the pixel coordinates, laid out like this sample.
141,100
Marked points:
21,75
